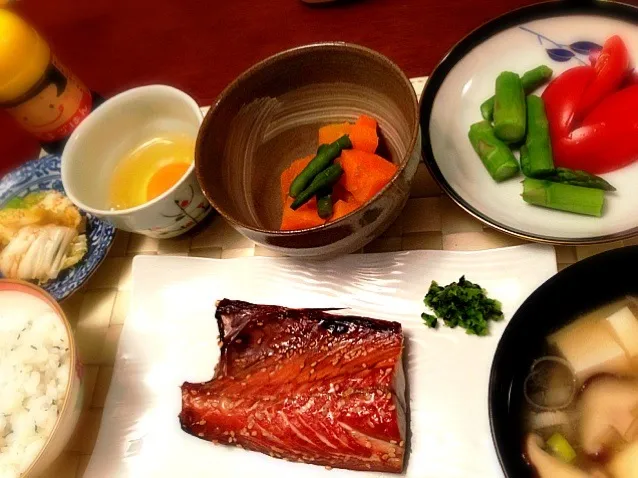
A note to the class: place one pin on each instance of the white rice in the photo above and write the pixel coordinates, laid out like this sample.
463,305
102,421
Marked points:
34,373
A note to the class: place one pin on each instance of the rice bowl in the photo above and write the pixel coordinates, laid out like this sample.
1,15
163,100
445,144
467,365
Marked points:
40,384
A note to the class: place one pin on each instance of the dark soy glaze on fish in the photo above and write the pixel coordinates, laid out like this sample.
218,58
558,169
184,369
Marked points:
304,385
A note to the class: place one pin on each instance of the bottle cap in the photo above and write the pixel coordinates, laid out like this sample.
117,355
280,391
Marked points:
24,56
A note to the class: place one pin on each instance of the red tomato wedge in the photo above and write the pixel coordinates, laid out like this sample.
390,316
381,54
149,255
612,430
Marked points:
608,138
611,69
562,97
593,123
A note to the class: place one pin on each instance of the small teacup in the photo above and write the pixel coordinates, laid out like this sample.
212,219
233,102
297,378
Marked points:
116,127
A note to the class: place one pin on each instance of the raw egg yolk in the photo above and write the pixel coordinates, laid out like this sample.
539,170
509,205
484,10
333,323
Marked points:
165,178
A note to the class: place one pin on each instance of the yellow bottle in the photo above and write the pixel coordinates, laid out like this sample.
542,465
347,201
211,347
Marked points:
43,96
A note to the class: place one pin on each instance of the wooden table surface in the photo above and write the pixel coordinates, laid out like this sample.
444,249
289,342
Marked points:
201,45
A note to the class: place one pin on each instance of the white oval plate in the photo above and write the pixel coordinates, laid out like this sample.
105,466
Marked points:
553,34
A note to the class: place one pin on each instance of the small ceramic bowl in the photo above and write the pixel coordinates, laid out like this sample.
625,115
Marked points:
269,116
69,413
116,127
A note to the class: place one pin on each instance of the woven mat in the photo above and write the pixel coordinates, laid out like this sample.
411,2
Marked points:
97,312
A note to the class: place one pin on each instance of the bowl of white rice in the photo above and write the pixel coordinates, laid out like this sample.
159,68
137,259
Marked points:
40,380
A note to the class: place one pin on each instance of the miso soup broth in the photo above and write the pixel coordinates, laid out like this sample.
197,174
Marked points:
581,397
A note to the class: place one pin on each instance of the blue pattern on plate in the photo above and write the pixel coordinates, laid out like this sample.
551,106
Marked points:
42,175
585,47
562,53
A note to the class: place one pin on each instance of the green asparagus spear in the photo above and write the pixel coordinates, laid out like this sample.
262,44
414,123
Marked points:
538,162
487,109
579,178
325,156
324,203
564,197
536,77
525,167
496,156
325,179
531,80
509,108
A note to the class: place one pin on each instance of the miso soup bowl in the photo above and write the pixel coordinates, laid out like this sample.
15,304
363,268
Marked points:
580,288
115,128
270,115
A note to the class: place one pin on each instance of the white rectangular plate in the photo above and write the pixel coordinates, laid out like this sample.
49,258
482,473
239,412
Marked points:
170,337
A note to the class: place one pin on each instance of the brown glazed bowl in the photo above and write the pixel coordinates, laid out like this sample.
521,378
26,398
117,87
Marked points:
270,115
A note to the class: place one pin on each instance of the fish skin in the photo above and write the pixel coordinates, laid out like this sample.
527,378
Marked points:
304,385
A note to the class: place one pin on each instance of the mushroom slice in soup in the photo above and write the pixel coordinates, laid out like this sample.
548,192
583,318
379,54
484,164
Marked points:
608,407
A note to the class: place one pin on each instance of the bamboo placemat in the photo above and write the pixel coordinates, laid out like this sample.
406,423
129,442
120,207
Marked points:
430,220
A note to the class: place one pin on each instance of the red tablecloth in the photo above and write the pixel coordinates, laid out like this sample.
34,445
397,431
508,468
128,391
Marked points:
201,45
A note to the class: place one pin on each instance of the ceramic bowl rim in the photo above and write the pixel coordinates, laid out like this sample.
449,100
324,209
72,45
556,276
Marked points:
435,80
95,118
270,61
44,296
